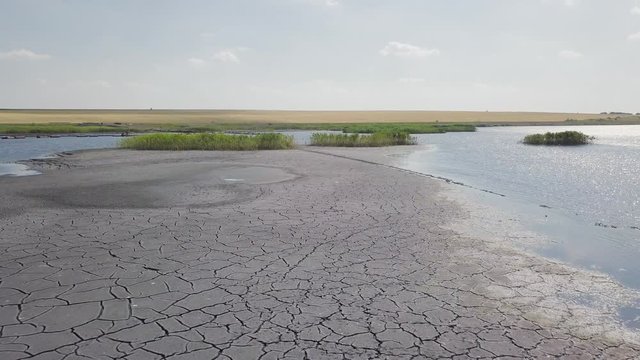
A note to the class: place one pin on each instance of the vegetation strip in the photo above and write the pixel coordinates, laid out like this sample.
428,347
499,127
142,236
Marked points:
558,138
26,129
64,128
208,142
377,139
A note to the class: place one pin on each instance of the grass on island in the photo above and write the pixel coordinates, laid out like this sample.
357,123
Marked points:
208,142
377,139
558,138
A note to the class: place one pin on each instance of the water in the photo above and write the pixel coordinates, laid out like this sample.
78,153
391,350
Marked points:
12,150
584,200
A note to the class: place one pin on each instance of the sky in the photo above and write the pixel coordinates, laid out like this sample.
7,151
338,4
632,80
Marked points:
482,55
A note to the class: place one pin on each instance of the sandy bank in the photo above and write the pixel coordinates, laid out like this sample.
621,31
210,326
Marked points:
279,253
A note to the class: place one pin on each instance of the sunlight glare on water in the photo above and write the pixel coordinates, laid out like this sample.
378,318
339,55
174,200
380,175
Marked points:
589,195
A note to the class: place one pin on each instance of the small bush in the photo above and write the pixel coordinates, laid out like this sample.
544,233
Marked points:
558,138
356,140
206,141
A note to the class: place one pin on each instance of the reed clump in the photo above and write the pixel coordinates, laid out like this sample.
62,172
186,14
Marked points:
377,139
558,138
208,141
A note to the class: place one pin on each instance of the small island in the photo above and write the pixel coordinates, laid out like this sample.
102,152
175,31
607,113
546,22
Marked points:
566,138
208,141
376,139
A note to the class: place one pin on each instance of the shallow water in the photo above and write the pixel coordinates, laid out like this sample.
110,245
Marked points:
12,150
584,200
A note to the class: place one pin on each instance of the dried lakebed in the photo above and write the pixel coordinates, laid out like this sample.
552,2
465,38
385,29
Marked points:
196,255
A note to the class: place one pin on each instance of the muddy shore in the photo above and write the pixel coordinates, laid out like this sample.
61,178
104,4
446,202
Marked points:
327,253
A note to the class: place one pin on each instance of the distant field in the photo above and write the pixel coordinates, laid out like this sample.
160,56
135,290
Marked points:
195,117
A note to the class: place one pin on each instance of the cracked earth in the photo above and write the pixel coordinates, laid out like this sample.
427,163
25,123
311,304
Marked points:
283,254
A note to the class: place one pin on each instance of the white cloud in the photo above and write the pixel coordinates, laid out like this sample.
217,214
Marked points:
571,2
395,48
196,62
23,54
635,10
634,37
227,56
332,3
569,54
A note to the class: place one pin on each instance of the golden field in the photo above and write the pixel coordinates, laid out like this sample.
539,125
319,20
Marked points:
194,117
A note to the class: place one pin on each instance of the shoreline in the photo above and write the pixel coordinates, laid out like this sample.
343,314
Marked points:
332,235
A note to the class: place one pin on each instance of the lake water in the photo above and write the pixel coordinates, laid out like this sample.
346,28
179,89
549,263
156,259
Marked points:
12,150
584,200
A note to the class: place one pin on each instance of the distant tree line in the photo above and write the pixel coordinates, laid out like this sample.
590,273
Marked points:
617,113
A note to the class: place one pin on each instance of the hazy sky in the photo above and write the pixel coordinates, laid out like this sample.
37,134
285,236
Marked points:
525,55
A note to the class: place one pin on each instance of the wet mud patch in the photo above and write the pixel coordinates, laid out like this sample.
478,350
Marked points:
160,185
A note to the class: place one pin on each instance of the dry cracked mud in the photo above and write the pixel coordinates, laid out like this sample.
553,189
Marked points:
283,254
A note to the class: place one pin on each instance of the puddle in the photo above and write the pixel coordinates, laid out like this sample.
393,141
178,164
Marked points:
630,316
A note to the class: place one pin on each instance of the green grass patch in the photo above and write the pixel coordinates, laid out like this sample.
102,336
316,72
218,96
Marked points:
558,138
214,141
60,128
377,139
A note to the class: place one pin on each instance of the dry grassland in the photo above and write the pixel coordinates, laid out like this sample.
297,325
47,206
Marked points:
194,117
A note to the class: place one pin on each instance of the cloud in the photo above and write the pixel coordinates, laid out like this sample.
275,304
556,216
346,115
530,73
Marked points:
569,54
634,37
635,10
226,56
332,3
23,54
395,48
571,2
196,62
